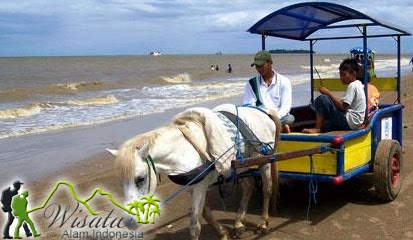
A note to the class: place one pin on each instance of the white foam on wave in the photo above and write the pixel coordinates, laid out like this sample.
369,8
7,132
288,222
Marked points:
220,85
325,71
167,88
25,111
388,67
77,85
110,99
180,78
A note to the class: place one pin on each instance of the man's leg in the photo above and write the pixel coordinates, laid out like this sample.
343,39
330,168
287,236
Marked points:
286,121
29,221
27,230
322,106
16,230
10,219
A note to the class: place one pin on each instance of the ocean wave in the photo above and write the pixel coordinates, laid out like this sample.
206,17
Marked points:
180,78
94,101
78,85
166,91
221,85
27,92
25,111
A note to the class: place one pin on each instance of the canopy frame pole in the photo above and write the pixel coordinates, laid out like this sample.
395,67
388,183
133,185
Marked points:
312,42
263,41
365,64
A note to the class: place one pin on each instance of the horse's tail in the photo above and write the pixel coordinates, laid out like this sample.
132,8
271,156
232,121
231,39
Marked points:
274,169
277,122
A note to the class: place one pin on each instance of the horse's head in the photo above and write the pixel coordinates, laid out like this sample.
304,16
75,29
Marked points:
137,176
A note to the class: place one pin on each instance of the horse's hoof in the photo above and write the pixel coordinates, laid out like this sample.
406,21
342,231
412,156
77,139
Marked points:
223,235
261,231
237,232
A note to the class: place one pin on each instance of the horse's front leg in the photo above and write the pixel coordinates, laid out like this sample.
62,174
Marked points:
247,185
265,170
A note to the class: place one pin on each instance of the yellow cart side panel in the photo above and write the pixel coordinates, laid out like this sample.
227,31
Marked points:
325,163
334,84
357,152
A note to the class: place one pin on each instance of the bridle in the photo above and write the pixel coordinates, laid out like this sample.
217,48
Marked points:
151,164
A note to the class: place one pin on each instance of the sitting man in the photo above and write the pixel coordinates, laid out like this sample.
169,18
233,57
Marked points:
270,90
347,113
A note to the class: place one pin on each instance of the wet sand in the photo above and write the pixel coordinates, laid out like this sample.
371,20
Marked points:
78,156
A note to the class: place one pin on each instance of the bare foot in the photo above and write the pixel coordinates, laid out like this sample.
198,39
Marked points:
286,128
311,130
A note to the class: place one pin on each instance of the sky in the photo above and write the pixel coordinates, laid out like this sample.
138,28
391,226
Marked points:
129,27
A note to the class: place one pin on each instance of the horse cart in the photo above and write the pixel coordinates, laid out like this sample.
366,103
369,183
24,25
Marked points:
339,155
199,140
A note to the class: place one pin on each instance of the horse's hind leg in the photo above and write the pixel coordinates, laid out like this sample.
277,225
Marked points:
198,202
199,192
265,170
247,185
219,229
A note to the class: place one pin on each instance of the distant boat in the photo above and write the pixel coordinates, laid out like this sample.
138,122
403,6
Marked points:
156,53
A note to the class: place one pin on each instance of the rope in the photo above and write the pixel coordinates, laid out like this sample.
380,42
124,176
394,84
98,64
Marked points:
312,188
238,140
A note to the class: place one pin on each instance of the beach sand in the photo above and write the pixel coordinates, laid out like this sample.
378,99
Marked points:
78,156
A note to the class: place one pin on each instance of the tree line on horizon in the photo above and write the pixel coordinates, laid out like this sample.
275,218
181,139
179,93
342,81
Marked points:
289,51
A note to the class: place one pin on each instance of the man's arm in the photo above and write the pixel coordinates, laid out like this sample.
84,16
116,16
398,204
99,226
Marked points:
337,102
2,196
249,97
286,98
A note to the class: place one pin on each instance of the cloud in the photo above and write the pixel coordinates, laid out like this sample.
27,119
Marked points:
84,25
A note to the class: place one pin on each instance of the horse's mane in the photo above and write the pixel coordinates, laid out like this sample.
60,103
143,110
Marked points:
125,160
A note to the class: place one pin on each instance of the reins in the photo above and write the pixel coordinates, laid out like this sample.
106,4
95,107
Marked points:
151,163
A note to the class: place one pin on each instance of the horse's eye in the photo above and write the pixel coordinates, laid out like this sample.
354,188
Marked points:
139,180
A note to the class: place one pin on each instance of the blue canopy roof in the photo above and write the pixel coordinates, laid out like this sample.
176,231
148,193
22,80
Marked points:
360,50
300,20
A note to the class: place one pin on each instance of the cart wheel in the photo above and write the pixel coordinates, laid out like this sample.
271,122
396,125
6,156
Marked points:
388,164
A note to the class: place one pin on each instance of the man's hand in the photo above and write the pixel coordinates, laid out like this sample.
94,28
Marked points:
324,90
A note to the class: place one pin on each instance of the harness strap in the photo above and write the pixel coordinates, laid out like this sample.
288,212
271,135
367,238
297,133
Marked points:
150,161
255,88
246,132
197,174
188,135
194,176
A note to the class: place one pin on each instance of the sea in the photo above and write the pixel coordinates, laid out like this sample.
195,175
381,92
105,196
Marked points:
41,94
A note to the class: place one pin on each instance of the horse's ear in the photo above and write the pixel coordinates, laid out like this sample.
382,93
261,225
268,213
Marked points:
143,149
113,152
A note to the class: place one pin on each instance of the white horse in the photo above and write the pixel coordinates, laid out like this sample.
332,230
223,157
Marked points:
182,145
